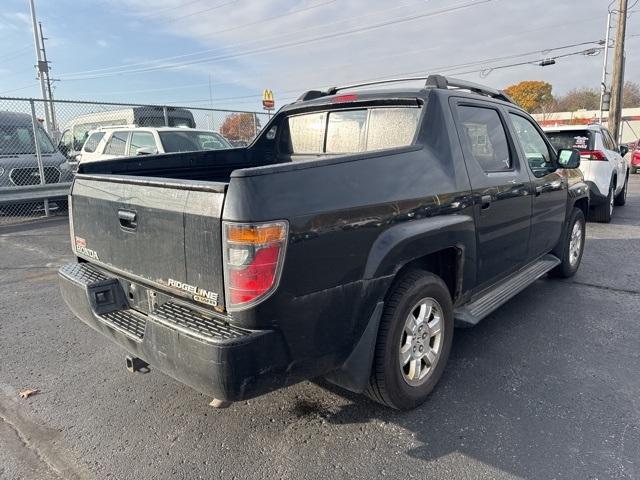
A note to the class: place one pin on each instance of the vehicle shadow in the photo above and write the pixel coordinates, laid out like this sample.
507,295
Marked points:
531,394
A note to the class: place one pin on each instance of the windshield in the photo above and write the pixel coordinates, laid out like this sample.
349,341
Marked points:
18,140
189,141
352,131
580,139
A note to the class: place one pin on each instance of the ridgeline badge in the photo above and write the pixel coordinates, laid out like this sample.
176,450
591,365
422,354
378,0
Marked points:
199,294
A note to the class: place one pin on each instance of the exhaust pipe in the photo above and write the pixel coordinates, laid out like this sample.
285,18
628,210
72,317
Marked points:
135,364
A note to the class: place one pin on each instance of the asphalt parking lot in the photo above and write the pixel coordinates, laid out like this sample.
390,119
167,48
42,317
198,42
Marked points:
548,387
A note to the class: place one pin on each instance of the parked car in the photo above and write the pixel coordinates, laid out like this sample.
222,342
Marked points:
108,143
602,164
20,180
343,243
76,131
635,158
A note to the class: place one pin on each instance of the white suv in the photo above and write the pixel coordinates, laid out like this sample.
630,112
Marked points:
601,162
113,142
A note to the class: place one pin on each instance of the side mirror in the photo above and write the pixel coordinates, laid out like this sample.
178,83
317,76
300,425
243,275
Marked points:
146,151
569,158
64,149
624,149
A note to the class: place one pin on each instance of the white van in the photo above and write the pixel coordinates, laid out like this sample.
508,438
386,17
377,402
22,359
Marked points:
76,130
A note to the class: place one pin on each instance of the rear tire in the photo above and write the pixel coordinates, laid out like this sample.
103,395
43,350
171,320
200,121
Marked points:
603,213
573,246
621,198
413,342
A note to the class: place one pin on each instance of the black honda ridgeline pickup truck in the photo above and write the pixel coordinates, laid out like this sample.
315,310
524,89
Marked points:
345,242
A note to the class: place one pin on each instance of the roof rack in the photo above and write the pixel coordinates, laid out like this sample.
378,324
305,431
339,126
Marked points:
431,81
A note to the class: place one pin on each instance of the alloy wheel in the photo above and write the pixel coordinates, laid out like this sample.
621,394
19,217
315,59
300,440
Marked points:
421,341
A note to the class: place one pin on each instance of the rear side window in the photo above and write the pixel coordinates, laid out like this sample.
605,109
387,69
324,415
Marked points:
580,139
117,144
353,131
609,142
92,142
141,140
484,136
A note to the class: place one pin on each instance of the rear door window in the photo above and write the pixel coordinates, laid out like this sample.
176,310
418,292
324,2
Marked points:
580,139
117,144
484,136
353,131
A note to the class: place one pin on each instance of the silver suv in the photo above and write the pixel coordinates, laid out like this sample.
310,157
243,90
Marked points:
20,180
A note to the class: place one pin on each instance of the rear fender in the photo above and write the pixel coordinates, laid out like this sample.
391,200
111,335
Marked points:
409,241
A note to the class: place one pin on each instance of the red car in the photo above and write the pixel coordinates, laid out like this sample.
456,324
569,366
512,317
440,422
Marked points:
635,159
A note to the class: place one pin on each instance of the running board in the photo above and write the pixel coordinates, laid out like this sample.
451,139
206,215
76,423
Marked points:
471,313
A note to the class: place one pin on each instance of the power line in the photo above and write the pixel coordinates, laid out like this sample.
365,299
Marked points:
294,43
210,50
15,53
173,19
450,69
18,89
175,7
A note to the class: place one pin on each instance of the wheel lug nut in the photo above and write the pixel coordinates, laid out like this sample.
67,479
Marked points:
424,335
421,348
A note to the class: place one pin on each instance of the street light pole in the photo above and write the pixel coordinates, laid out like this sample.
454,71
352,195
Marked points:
603,89
41,66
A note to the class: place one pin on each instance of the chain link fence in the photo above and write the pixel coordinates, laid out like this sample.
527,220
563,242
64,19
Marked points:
41,143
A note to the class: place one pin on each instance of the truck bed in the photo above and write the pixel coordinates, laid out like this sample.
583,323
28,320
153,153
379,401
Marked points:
208,165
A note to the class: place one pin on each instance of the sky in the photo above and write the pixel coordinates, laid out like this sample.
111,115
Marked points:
225,52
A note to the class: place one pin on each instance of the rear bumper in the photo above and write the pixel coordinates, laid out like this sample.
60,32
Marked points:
596,197
204,352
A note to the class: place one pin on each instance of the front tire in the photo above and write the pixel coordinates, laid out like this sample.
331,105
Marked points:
573,246
414,341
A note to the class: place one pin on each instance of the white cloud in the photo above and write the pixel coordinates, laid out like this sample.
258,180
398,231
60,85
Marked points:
486,30
102,43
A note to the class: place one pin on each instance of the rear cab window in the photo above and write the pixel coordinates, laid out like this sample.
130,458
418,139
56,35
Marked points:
348,131
579,139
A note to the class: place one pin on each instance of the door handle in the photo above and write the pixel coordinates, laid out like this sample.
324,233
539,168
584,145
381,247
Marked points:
539,189
485,201
128,219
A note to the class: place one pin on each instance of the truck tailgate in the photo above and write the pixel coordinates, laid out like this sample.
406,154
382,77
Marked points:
165,233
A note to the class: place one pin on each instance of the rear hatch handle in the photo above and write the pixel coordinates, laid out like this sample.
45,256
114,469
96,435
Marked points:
128,219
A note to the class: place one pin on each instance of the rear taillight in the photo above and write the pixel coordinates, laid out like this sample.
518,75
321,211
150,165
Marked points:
592,155
253,258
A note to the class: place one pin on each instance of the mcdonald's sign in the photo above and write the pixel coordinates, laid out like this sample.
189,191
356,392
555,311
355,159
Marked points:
267,99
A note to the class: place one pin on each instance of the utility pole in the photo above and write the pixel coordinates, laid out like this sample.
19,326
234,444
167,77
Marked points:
617,78
52,111
41,66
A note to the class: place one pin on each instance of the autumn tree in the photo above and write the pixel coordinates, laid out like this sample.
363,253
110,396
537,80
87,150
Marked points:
532,95
240,127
